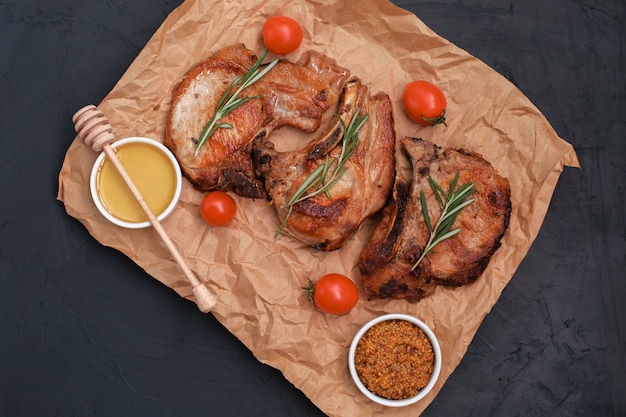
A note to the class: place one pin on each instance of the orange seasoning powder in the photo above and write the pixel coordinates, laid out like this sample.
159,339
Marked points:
394,359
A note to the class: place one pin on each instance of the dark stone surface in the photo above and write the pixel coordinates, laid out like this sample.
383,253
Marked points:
86,332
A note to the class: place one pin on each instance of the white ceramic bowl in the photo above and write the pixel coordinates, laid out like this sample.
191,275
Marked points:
436,368
93,184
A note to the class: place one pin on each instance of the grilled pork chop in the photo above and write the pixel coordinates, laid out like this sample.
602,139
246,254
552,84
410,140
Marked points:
290,94
326,223
401,236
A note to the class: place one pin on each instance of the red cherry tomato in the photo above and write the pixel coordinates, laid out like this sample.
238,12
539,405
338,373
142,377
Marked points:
334,294
425,103
282,35
218,208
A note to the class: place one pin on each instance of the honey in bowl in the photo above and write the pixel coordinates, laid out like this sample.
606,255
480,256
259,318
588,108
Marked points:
153,170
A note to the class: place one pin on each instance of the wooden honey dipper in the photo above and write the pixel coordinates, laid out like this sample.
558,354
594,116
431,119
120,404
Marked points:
95,130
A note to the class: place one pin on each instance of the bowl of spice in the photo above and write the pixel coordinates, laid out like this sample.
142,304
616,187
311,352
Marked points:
154,171
395,360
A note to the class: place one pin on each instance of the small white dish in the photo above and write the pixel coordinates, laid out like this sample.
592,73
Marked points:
436,366
169,174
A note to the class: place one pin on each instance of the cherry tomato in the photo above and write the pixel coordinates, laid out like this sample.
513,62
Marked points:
425,103
218,208
282,35
334,293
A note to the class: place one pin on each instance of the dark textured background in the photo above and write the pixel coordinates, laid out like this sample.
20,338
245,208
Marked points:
85,332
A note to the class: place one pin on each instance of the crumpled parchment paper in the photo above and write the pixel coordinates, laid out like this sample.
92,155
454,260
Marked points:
258,279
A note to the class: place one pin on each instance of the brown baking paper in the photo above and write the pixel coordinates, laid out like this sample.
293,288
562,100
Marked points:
258,279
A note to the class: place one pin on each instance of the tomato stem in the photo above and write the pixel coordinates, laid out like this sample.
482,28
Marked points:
310,289
432,121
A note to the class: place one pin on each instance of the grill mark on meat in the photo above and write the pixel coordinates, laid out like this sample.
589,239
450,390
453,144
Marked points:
320,149
400,237
330,211
393,286
240,183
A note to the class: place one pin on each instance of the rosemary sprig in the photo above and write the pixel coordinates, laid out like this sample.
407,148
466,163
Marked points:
322,179
228,102
451,203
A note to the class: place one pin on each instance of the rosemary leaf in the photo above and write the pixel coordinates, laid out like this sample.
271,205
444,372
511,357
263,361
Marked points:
446,224
437,190
452,212
326,175
446,236
315,178
229,102
453,185
456,200
425,211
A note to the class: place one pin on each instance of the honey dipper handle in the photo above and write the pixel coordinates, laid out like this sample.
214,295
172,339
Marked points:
204,298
